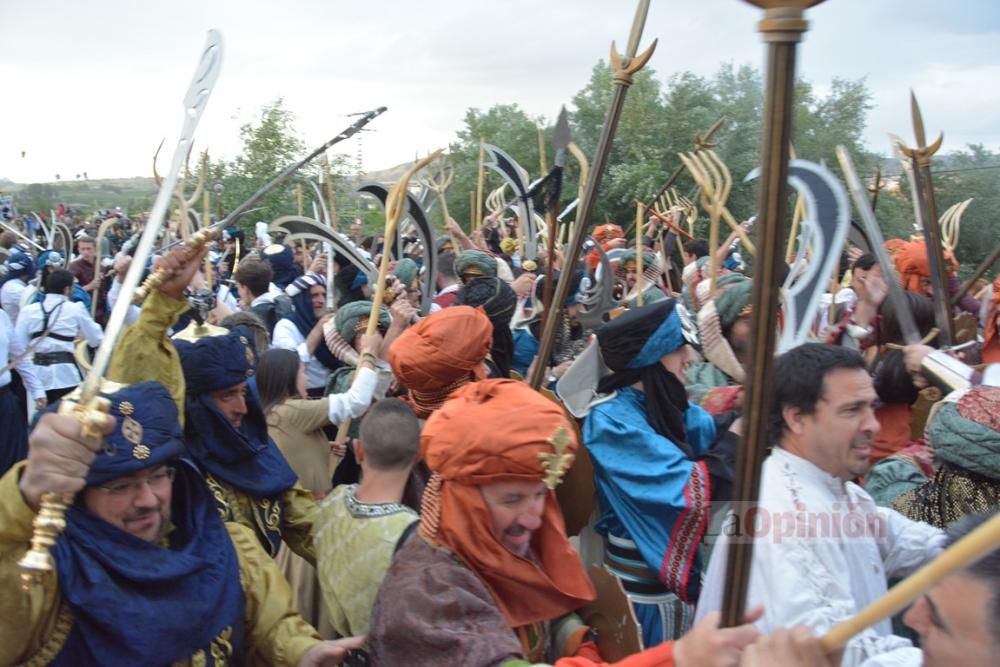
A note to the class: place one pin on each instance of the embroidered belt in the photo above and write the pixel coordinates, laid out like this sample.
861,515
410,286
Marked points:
623,559
52,358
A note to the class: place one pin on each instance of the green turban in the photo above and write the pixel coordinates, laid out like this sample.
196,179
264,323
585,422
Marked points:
352,315
407,272
475,263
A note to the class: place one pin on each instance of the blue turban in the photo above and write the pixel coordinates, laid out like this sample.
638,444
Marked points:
216,362
147,433
245,458
136,602
19,265
282,262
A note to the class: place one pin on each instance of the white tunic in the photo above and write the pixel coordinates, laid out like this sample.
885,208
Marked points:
10,297
287,336
11,347
67,319
823,550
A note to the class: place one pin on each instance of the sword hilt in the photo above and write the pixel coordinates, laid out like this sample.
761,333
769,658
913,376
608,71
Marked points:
51,518
159,276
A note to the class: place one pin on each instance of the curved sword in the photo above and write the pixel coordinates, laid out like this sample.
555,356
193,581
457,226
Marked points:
91,408
296,227
824,229
415,213
516,177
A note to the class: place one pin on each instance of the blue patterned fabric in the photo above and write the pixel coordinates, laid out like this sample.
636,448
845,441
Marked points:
136,602
661,505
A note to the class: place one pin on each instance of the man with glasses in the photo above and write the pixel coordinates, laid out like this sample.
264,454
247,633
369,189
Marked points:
146,572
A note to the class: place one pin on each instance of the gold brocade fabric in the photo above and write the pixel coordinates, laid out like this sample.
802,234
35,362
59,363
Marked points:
948,496
144,351
289,519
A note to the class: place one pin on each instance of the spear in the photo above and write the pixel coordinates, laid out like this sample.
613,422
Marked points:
920,158
212,231
395,206
624,66
782,28
560,139
480,178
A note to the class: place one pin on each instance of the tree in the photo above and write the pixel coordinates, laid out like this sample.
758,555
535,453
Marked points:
506,126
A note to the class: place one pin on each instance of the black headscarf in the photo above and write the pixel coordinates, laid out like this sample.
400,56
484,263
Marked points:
499,301
632,346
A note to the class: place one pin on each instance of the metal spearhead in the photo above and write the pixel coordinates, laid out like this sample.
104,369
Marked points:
561,138
918,121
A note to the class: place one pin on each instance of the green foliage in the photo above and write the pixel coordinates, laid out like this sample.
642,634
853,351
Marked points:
504,125
969,173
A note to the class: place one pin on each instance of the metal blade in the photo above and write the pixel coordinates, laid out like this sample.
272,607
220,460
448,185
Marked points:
907,325
195,100
561,138
918,121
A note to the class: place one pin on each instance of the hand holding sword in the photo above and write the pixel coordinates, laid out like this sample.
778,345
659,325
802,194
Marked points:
89,407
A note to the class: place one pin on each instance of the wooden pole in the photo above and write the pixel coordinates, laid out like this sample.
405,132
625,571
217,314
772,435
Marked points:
624,69
480,181
638,254
541,151
961,554
395,207
782,28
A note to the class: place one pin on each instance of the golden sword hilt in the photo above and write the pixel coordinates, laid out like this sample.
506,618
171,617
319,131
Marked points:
158,276
51,518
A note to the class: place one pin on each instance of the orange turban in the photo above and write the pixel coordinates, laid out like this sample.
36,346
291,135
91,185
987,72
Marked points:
440,353
912,264
498,431
607,232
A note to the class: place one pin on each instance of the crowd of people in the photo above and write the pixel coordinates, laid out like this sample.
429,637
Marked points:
276,485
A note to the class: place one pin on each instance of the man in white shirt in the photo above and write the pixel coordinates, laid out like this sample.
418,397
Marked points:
13,418
19,270
253,283
822,549
64,321
302,331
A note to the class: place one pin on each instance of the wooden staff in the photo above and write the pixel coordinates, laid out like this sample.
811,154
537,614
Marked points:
206,210
624,67
638,254
480,181
961,554
395,207
782,28
541,151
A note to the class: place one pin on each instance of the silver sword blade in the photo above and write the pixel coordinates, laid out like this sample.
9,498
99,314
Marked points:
195,101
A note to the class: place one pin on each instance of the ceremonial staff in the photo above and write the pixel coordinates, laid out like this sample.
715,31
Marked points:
560,139
395,205
624,68
212,231
920,158
782,28
91,409
701,143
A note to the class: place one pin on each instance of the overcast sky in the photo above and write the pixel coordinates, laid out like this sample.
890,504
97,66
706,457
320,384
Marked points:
93,86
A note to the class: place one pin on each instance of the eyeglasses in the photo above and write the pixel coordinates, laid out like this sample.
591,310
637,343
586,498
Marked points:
129,488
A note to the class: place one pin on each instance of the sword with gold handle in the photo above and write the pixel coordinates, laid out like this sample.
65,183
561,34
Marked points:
91,408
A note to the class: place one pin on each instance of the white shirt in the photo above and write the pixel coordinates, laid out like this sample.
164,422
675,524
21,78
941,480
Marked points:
66,319
12,346
353,402
10,297
287,336
446,290
824,551
133,310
